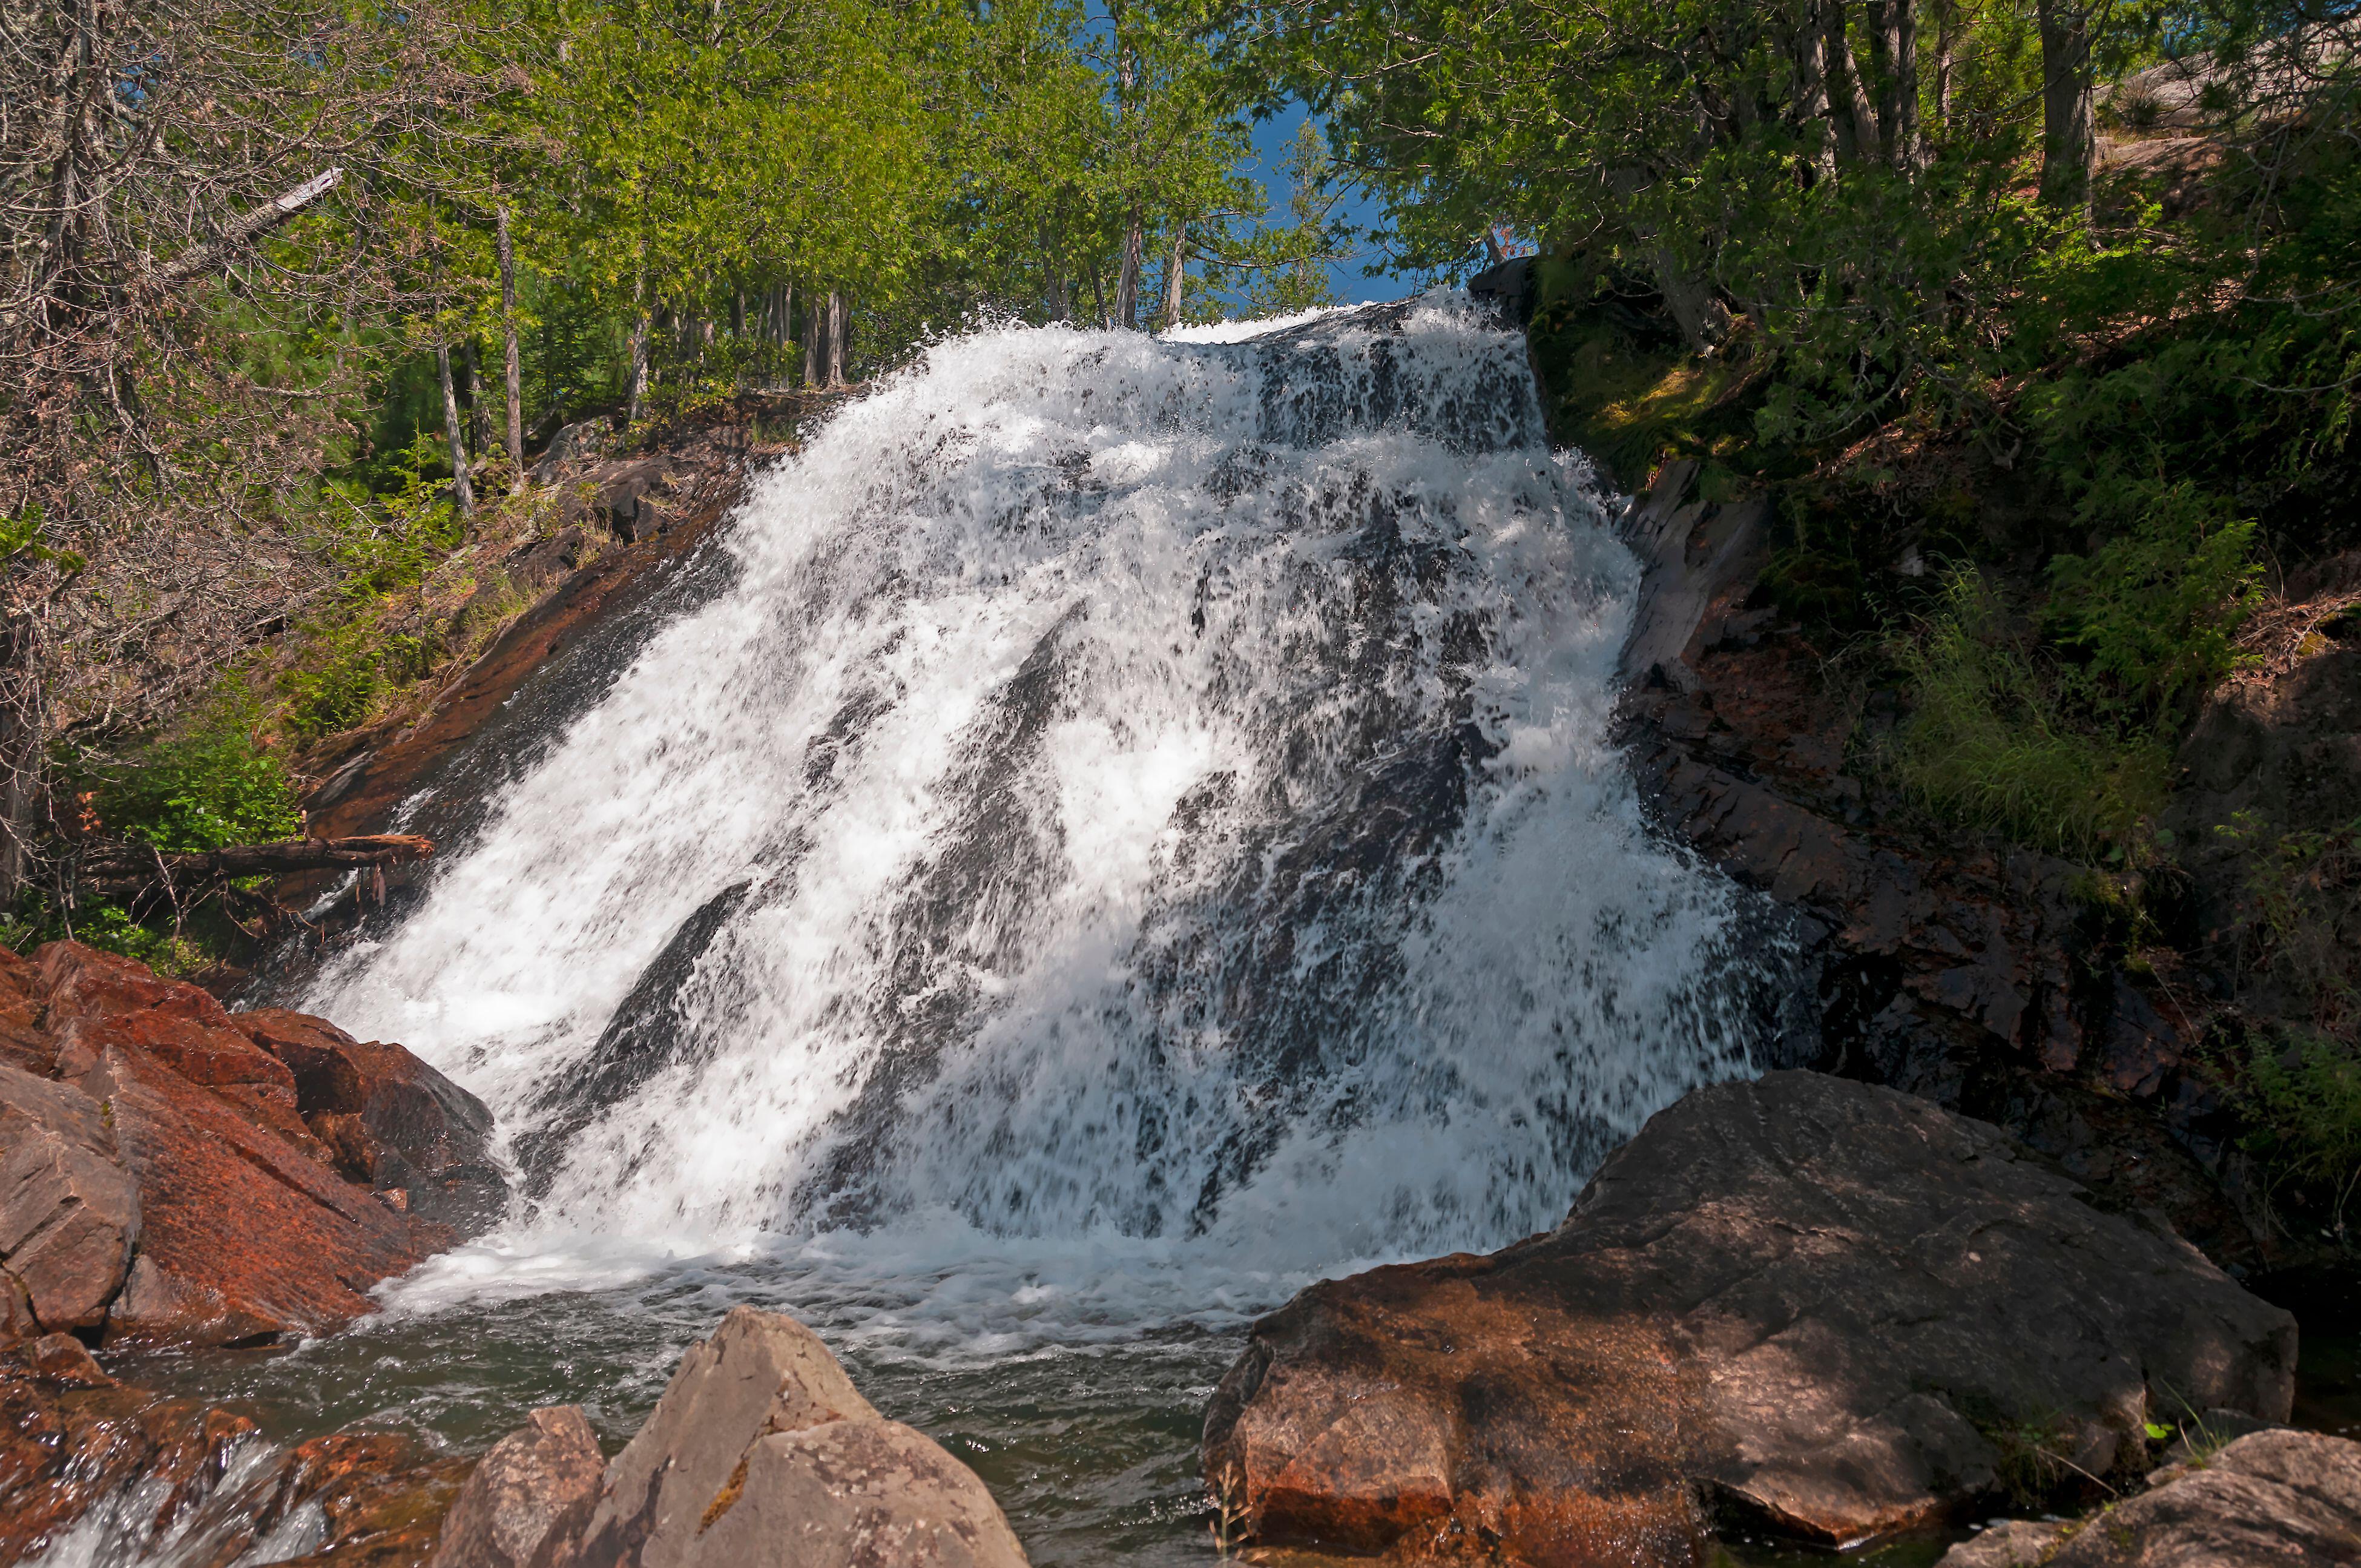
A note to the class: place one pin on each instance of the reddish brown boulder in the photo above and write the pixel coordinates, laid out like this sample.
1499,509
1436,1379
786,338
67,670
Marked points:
80,985
69,1209
91,1001
23,1042
417,1131
526,1503
1819,1306
242,1236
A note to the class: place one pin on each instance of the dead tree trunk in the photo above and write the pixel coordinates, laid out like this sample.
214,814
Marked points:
512,368
22,719
463,487
113,871
815,343
837,319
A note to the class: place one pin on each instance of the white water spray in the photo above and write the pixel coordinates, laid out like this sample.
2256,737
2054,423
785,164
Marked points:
1134,794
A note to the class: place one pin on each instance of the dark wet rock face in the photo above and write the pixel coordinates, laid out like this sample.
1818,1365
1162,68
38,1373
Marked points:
1955,968
647,1034
1820,1306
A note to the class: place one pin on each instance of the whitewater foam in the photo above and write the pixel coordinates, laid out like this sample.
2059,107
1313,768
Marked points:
1140,828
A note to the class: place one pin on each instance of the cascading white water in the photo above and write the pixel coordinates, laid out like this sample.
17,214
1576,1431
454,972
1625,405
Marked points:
1135,792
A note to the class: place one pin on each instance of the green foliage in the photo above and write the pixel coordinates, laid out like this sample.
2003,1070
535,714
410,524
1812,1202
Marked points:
2302,905
1992,743
205,784
338,693
2303,1103
2156,605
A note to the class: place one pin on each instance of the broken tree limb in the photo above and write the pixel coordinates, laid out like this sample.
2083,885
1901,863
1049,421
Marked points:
204,258
126,868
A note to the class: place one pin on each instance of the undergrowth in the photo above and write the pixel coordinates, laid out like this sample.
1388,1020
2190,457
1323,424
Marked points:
1992,743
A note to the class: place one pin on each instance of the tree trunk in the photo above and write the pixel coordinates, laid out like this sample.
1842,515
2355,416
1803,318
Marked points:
1946,43
1812,94
1849,110
111,870
815,343
1176,275
463,485
22,719
839,316
2066,144
1696,310
471,396
1126,285
512,363
641,324
1894,47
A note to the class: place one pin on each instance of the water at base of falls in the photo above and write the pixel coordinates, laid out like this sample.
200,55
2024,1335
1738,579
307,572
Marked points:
1135,832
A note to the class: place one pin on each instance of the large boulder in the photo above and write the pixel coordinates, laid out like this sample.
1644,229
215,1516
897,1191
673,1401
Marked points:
2267,1500
526,1504
94,1001
1826,1308
762,1454
69,1211
389,1119
243,1235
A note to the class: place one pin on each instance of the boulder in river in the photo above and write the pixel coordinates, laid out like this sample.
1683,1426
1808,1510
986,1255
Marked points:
1814,1305
390,1120
2269,1500
525,1504
762,1454
244,1237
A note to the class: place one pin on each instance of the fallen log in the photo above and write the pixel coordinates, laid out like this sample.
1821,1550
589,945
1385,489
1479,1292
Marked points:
126,868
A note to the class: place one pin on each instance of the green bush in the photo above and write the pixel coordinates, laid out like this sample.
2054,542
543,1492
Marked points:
204,783
2157,606
1991,744
340,693
2304,1103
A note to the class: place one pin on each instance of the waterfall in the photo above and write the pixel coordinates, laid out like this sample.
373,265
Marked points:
1127,791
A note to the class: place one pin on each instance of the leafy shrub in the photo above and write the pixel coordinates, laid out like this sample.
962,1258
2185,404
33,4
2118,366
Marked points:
338,693
204,783
2303,900
1991,745
2305,1106
2156,605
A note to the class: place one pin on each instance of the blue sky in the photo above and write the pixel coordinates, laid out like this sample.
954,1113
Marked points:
1271,139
